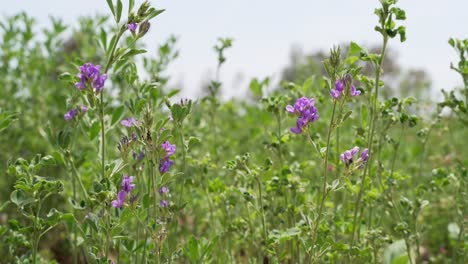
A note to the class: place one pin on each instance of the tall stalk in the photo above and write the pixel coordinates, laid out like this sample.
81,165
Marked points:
374,117
324,185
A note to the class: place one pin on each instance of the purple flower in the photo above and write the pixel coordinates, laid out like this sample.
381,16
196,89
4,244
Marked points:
119,203
134,136
70,114
365,155
169,148
91,74
354,91
138,157
307,112
84,109
163,203
163,190
132,27
165,164
339,87
300,105
347,156
129,122
127,185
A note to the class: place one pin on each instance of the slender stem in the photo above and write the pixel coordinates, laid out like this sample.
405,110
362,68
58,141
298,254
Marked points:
151,212
324,186
262,209
103,138
280,156
77,177
423,151
371,136
184,154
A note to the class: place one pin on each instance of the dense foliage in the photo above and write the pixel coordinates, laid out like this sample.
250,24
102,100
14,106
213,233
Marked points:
102,164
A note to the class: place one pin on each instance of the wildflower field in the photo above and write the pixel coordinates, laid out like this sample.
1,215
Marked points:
103,161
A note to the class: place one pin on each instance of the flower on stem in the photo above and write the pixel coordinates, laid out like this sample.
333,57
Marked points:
364,157
354,91
163,203
138,157
168,148
70,114
132,27
307,112
129,122
339,87
165,165
91,74
163,190
134,136
127,184
119,203
347,156
74,112
127,187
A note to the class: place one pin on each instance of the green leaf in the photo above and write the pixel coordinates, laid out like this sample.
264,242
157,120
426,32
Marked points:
118,166
154,13
53,217
402,33
6,118
103,39
307,84
131,3
112,43
4,205
20,199
111,6
119,10
354,48
94,131
132,52
192,142
255,87
173,92
451,42
190,250
208,247
117,115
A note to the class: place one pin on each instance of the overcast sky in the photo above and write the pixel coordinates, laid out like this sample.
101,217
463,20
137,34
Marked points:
265,30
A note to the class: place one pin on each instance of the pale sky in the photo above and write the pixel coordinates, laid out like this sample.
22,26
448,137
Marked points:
265,30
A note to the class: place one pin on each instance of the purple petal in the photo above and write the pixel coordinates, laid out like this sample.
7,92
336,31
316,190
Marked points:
354,151
290,109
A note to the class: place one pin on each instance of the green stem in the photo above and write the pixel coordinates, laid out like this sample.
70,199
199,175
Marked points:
371,137
262,209
324,186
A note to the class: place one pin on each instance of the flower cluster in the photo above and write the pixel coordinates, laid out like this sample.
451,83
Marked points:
340,85
163,191
91,74
165,163
347,156
127,187
307,112
74,112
